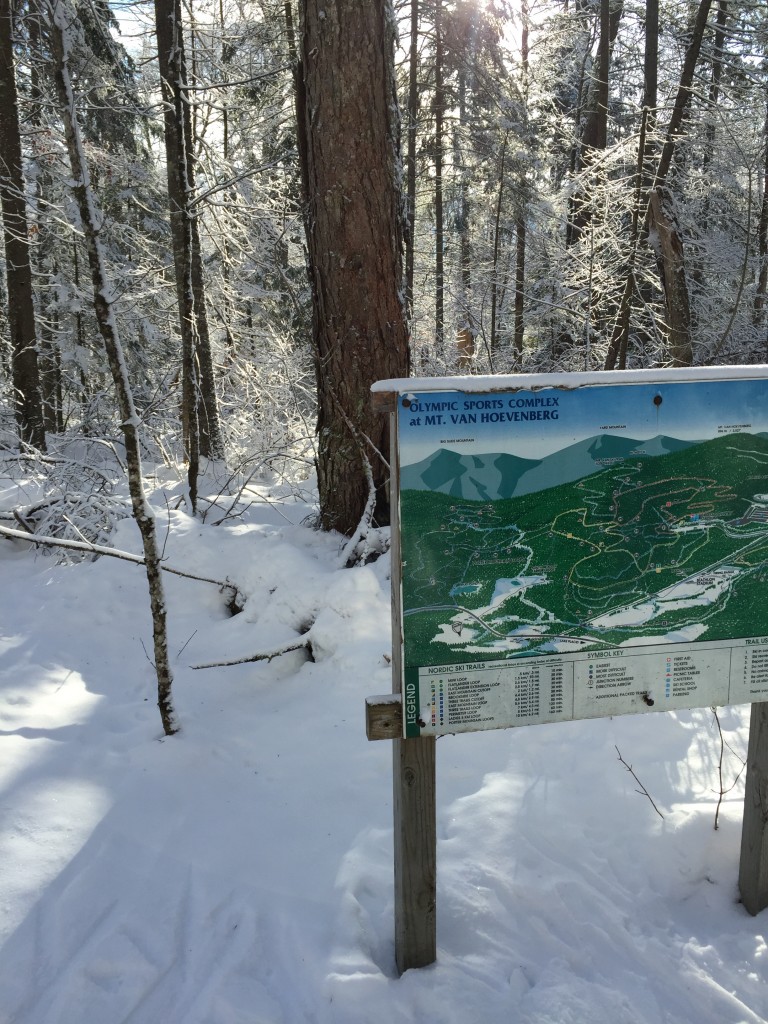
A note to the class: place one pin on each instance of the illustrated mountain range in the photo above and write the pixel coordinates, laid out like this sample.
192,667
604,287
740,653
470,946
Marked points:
497,476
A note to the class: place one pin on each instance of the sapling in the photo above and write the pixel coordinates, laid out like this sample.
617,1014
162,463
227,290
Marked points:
722,789
642,790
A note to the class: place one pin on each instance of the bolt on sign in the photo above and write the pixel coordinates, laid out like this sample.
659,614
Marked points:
579,546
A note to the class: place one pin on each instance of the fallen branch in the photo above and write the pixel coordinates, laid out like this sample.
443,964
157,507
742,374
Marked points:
101,549
305,640
363,527
19,518
642,791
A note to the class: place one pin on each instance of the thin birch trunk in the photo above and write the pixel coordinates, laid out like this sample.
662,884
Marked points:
103,300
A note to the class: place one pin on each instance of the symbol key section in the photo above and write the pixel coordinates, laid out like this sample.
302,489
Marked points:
655,681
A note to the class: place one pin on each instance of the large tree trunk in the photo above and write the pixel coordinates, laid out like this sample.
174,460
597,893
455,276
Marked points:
45,264
651,63
410,191
647,152
25,372
348,127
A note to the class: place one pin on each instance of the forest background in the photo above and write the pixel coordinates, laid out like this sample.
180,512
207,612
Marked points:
222,226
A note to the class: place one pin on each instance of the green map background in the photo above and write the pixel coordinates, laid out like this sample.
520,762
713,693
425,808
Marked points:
606,541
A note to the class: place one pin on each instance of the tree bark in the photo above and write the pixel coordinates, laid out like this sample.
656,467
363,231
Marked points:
200,417
51,383
348,131
665,239
439,107
25,373
651,62
410,190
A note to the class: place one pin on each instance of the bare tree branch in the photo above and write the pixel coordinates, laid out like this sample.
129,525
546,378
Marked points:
642,791
305,640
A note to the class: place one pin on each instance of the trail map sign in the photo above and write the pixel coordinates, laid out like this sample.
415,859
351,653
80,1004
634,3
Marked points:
580,547
568,547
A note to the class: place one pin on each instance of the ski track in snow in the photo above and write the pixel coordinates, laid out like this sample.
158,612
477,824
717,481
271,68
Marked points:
241,872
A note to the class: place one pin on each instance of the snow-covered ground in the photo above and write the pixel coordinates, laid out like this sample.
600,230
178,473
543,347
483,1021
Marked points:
240,872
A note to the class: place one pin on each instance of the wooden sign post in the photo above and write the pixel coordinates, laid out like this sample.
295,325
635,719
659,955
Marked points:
554,541
753,866
415,852
413,778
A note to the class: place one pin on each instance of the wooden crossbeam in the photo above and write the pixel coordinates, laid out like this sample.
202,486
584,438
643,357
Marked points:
384,717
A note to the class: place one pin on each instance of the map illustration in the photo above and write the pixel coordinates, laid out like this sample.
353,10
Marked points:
601,519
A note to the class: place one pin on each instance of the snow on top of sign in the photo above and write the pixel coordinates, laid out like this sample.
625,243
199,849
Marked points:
530,381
